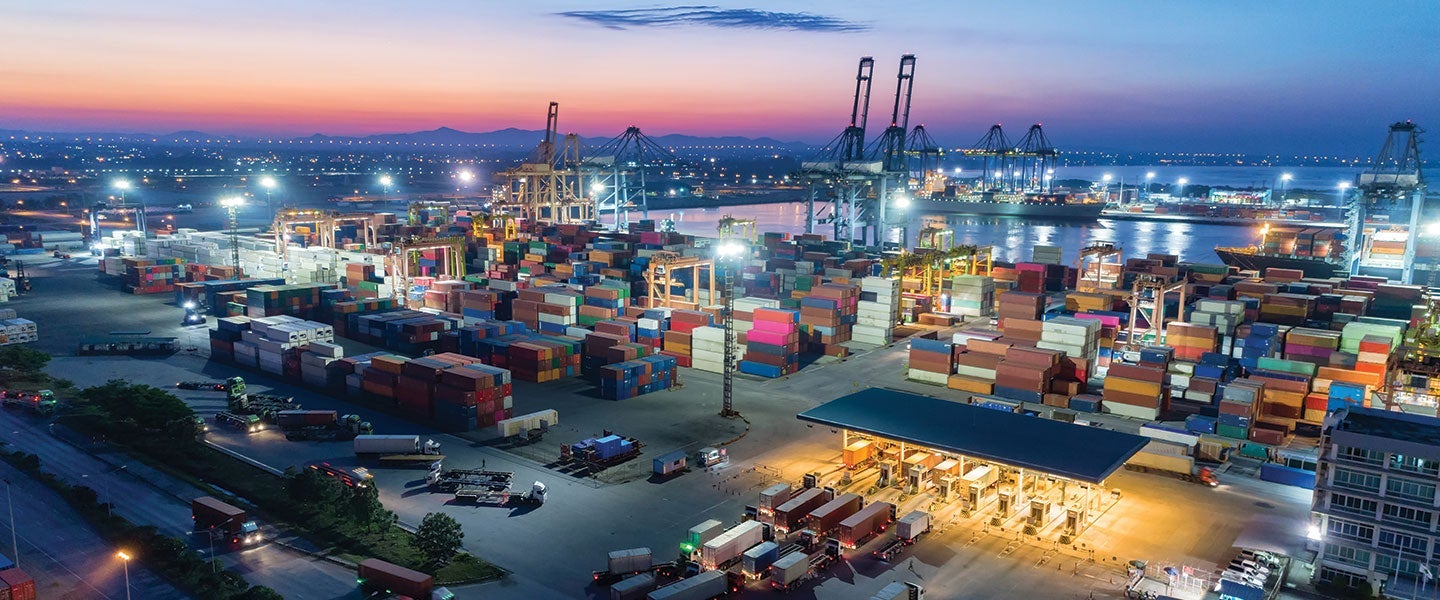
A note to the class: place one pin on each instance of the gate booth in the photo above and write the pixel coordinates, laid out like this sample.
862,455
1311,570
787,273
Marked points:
953,449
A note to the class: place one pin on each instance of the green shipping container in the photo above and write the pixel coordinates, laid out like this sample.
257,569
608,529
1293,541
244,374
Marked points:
1232,431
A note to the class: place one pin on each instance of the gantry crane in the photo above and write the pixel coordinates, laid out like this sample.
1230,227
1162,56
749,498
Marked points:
365,228
889,148
550,186
1147,299
840,168
731,227
935,237
932,268
1099,252
486,223
286,218
401,261
416,207
617,172
660,277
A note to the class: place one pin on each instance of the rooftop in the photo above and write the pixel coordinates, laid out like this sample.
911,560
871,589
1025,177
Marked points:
1405,427
1064,449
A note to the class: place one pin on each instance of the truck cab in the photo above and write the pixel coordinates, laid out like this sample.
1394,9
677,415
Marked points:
240,423
710,456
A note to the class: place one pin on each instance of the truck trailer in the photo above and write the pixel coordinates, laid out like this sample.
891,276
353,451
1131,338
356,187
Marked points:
727,547
211,515
41,402
397,449
791,515
320,425
900,590
829,515
770,499
1156,457
755,562
705,586
483,487
867,521
633,588
702,533
376,575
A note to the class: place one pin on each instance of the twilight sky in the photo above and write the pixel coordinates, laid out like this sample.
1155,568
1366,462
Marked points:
1319,76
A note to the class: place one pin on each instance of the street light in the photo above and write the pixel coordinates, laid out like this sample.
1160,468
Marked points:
901,202
1182,181
269,184
1284,183
14,544
731,252
1149,175
124,556
231,205
385,181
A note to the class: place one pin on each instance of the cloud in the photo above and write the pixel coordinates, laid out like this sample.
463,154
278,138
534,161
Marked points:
712,16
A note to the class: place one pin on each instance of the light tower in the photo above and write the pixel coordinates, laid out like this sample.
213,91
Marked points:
385,181
1285,183
231,205
730,256
269,184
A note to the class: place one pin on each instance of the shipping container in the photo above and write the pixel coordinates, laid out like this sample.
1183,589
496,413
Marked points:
633,588
791,515
387,444
376,575
829,515
789,568
629,561
868,521
209,513
756,561
912,525
728,546
704,532
771,498
707,585
17,584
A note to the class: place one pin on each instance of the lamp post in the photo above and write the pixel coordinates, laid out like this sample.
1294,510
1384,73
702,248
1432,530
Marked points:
730,254
1182,181
1149,176
465,176
269,184
1284,183
109,499
1343,187
124,556
231,205
1106,180
385,181
902,203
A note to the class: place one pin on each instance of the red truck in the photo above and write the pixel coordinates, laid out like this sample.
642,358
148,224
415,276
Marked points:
872,519
219,518
825,518
376,575
790,515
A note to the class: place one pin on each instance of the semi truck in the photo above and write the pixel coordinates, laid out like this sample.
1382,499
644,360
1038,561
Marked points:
795,568
239,400
770,499
633,588
1153,459
900,590
240,423
622,563
907,530
211,515
825,518
700,534
726,548
755,562
397,449
867,521
484,487
378,576
791,515
350,477
41,402
320,425
707,585
601,452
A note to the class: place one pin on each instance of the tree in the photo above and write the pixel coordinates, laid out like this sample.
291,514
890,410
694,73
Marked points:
149,408
438,538
27,361
258,593
364,507
314,488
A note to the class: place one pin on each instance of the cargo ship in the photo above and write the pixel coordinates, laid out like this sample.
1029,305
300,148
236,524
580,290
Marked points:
1318,251
996,204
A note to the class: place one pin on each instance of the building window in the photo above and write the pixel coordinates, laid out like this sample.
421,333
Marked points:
1347,555
1385,563
1339,577
1409,489
1351,531
1296,462
1407,516
1360,455
1392,540
1353,505
1414,464
1356,480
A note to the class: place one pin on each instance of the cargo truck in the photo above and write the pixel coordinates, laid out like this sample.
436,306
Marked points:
240,401
900,590
791,515
397,449
726,548
1176,465
907,530
320,425
622,563
351,477
867,521
795,568
825,518
378,576
633,588
211,515
705,586
605,451
700,534
755,562
483,487
41,402
240,423
770,499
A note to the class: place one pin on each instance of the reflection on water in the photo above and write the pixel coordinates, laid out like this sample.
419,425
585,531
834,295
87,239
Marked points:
1013,239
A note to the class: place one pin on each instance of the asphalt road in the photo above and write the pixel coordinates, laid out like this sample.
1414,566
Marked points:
551,550
63,555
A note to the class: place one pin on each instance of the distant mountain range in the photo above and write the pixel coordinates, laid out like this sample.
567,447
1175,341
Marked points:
503,138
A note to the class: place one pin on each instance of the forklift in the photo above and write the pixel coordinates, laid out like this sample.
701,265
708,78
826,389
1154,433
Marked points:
22,281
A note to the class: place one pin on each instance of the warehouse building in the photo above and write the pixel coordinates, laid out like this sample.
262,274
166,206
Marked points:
1009,466
1374,510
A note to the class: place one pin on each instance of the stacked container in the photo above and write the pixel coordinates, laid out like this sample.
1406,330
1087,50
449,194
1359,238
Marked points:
772,344
1020,315
972,295
1136,391
828,313
877,311
1190,340
152,275
1313,346
931,360
633,378
1239,404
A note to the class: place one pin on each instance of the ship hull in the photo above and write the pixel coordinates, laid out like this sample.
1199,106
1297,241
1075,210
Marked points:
1313,267
1034,210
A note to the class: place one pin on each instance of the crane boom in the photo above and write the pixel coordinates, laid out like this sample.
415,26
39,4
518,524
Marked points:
853,142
